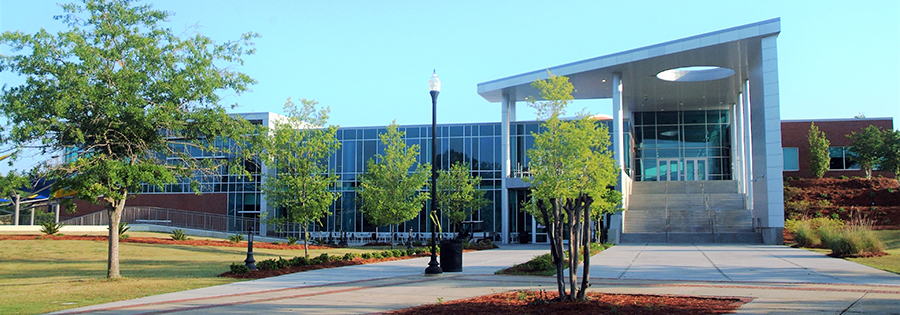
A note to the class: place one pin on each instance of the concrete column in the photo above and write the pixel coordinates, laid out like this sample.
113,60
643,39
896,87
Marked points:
506,104
737,151
31,222
747,144
618,134
768,197
533,231
56,212
16,200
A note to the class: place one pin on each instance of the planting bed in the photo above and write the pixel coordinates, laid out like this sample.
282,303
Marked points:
154,240
877,199
599,303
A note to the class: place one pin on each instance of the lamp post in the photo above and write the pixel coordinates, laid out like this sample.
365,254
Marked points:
434,84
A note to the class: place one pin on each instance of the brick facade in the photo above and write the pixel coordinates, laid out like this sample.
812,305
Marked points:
794,134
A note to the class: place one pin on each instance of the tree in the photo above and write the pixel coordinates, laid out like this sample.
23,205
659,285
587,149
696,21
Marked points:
126,100
571,167
298,148
458,193
866,148
819,157
890,152
390,187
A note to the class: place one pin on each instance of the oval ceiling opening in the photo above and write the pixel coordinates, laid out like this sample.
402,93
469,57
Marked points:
695,74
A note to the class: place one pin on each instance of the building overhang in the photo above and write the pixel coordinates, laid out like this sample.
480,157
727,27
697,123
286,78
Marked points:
643,90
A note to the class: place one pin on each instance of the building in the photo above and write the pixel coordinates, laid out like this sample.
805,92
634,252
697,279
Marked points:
794,139
695,130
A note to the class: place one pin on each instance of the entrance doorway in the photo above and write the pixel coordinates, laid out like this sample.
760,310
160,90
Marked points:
686,169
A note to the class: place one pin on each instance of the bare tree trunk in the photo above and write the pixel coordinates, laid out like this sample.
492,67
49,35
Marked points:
114,212
305,231
586,274
558,233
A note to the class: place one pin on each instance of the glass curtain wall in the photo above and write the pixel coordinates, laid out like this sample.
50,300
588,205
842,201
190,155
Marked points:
682,145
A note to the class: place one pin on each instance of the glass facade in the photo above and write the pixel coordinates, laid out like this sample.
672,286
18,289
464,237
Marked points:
682,145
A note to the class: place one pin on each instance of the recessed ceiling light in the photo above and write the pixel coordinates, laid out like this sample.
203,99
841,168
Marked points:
695,74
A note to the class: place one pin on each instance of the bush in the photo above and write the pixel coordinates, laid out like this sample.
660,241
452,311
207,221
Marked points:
235,238
410,252
178,235
812,232
299,261
239,269
806,236
853,241
366,256
321,259
349,256
292,240
377,256
268,264
51,228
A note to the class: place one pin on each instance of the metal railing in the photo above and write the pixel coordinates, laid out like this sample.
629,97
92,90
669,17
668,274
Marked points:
171,217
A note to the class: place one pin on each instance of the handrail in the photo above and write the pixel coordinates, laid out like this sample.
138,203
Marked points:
172,217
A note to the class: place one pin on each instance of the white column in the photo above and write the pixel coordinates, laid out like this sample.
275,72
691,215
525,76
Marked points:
618,135
32,216
56,212
533,231
506,104
16,200
737,151
748,146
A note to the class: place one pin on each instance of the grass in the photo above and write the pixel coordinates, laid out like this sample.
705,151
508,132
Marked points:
890,262
542,265
39,276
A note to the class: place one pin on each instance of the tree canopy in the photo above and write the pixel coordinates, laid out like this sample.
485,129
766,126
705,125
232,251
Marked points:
572,168
819,157
125,100
298,148
866,148
458,193
390,189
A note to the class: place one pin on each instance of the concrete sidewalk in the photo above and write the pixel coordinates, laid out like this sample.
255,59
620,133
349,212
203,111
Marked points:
778,278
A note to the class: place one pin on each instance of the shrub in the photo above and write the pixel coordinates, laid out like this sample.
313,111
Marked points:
399,253
282,263
410,252
236,238
321,259
268,264
239,269
377,256
349,256
299,261
806,236
292,240
51,228
178,235
852,241
366,256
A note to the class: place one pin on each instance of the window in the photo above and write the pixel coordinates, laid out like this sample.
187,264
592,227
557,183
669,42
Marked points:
791,159
841,159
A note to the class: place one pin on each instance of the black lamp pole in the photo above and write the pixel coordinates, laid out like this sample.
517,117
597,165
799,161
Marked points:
434,268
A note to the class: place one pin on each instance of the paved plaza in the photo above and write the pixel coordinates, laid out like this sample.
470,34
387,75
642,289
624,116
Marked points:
779,279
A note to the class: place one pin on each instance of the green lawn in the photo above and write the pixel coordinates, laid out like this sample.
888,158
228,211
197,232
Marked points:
39,276
891,262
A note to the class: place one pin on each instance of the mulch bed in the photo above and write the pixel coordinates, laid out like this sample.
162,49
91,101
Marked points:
153,240
259,274
530,302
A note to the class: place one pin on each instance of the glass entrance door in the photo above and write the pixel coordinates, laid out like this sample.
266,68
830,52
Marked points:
694,169
669,169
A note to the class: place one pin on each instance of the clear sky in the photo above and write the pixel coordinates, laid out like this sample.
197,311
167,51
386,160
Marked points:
369,61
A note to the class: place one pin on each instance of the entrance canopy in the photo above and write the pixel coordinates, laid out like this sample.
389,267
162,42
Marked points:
647,86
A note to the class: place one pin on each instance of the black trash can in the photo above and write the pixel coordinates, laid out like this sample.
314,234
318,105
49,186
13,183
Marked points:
451,255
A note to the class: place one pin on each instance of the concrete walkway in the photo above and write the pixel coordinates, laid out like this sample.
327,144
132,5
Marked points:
778,278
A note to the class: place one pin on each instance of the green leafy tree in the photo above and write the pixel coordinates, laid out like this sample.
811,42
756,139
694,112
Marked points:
126,100
458,193
391,187
298,148
866,148
819,157
572,168
890,152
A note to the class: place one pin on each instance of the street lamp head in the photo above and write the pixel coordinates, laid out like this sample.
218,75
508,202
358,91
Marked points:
434,83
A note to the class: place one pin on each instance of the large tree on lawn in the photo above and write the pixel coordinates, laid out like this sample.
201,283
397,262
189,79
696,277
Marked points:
458,193
125,100
298,148
572,169
390,189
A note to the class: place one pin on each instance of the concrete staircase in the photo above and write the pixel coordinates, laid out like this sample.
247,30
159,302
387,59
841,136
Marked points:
688,212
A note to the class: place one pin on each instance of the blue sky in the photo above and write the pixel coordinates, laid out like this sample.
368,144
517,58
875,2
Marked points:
369,61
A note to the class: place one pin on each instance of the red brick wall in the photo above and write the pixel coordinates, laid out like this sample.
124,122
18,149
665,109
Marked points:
216,203
794,134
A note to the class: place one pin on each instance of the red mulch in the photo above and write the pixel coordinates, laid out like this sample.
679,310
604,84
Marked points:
598,303
259,274
153,240
877,198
